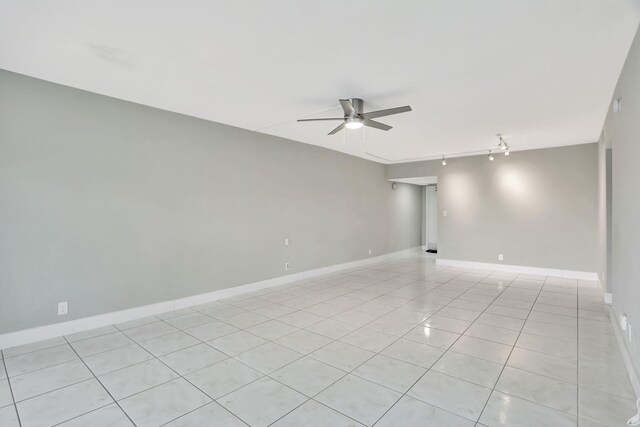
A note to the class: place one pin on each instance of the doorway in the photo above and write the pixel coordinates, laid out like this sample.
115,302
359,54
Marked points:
430,226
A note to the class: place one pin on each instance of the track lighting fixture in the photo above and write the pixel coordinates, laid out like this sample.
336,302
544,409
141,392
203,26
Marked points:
502,144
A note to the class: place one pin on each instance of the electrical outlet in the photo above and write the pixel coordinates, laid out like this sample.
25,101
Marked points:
444,213
63,308
287,266
629,331
369,251
286,242
500,257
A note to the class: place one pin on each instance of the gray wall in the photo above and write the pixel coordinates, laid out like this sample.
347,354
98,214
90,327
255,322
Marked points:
111,205
539,208
622,133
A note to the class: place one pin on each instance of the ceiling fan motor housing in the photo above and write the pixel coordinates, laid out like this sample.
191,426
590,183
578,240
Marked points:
358,106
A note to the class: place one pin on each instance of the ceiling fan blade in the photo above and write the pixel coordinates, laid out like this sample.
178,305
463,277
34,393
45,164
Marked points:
321,119
336,130
387,112
377,125
347,106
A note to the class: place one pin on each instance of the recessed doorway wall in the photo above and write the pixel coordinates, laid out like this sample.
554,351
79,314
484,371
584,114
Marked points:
430,226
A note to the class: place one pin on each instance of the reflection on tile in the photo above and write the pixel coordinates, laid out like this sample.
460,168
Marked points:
505,410
468,368
456,326
539,389
605,408
544,364
431,336
492,333
488,350
553,346
460,397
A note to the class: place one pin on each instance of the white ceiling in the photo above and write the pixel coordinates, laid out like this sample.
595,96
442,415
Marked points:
541,72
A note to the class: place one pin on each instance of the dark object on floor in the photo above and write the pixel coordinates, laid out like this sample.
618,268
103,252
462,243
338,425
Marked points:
432,251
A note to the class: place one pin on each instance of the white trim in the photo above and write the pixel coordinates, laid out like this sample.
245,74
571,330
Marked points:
608,298
631,371
569,274
40,333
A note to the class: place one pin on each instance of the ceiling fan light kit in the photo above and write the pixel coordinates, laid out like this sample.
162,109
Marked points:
355,117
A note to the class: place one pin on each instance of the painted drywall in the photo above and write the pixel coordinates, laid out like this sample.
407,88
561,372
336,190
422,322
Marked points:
622,134
539,208
109,205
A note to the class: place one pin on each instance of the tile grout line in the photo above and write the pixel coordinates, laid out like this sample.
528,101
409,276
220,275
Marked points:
13,397
101,384
493,389
436,361
181,376
312,290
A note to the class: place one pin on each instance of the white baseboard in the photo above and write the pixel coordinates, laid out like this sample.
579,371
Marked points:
40,333
569,274
631,370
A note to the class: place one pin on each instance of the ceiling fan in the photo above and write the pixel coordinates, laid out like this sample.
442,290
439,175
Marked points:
355,117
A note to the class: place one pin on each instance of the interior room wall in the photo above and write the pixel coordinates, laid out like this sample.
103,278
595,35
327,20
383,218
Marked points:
622,134
538,208
110,205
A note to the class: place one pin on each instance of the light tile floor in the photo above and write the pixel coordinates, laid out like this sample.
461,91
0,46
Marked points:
400,343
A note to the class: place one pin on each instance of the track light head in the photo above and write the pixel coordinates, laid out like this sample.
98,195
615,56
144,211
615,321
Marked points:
444,162
502,144
490,156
